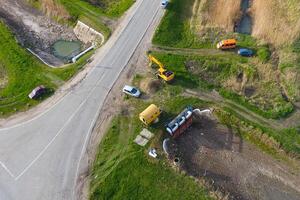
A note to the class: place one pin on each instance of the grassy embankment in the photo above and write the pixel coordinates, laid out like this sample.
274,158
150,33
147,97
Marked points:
24,72
93,15
21,72
288,139
220,73
123,170
267,100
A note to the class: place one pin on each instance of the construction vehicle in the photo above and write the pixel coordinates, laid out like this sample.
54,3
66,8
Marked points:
162,72
150,114
181,123
227,44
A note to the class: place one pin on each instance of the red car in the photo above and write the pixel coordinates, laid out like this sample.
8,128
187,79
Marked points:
36,92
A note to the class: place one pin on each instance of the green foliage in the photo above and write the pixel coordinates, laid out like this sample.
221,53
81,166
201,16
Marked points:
280,110
206,72
174,29
86,12
25,73
264,54
288,139
122,169
117,8
296,46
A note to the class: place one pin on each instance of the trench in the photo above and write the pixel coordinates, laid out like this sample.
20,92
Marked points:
244,25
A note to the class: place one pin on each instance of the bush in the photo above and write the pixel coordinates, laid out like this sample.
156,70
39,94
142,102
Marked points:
264,54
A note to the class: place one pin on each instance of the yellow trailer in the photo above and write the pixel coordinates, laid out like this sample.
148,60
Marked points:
150,114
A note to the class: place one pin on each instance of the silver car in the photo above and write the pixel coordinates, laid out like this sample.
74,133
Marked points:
164,3
132,91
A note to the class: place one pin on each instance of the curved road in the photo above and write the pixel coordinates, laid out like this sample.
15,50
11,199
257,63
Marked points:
40,158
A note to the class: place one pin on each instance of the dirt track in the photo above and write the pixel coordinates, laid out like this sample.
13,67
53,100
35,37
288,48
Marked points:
33,29
212,151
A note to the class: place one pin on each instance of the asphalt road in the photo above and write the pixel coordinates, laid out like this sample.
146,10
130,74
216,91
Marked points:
40,159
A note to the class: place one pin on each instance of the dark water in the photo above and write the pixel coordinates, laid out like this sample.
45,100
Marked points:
65,50
245,24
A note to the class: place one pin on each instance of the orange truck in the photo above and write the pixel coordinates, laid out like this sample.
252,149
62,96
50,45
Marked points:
227,44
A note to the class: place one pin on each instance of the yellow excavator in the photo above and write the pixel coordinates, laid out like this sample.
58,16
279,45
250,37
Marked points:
162,73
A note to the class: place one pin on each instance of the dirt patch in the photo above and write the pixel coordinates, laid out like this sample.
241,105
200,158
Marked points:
3,76
249,91
212,151
33,29
150,85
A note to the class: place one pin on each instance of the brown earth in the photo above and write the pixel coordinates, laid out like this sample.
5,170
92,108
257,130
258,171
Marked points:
150,85
216,13
212,151
276,21
50,8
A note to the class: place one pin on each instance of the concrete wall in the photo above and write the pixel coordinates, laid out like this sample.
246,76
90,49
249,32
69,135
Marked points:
88,35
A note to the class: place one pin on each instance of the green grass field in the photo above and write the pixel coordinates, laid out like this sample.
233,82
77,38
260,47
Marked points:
213,72
123,170
92,15
24,72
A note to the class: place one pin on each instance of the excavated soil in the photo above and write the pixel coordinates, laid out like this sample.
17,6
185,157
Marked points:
33,29
212,151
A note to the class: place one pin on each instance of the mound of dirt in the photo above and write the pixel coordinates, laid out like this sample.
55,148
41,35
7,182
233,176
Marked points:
150,85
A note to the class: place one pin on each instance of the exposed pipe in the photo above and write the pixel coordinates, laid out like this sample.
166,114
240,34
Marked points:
75,58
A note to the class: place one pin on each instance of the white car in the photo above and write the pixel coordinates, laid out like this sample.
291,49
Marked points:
132,91
164,3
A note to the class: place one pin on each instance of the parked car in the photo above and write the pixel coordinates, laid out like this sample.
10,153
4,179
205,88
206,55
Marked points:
36,92
245,52
132,91
164,3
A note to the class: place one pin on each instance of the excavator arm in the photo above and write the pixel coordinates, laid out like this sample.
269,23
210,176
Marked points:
162,72
154,60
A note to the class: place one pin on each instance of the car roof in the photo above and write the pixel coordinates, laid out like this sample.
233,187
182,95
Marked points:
228,41
38,88
244,49
128,87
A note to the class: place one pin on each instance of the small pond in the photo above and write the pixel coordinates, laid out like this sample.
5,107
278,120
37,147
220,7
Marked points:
65,50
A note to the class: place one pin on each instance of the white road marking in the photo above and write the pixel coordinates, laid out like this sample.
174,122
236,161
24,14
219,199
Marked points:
60,131
7,170
99,109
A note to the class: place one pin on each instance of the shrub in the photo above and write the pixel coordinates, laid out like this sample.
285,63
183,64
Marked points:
264,54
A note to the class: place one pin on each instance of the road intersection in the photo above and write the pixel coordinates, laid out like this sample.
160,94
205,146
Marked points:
40,158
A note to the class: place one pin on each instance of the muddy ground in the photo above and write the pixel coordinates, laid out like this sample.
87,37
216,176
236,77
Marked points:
212,151
33,29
